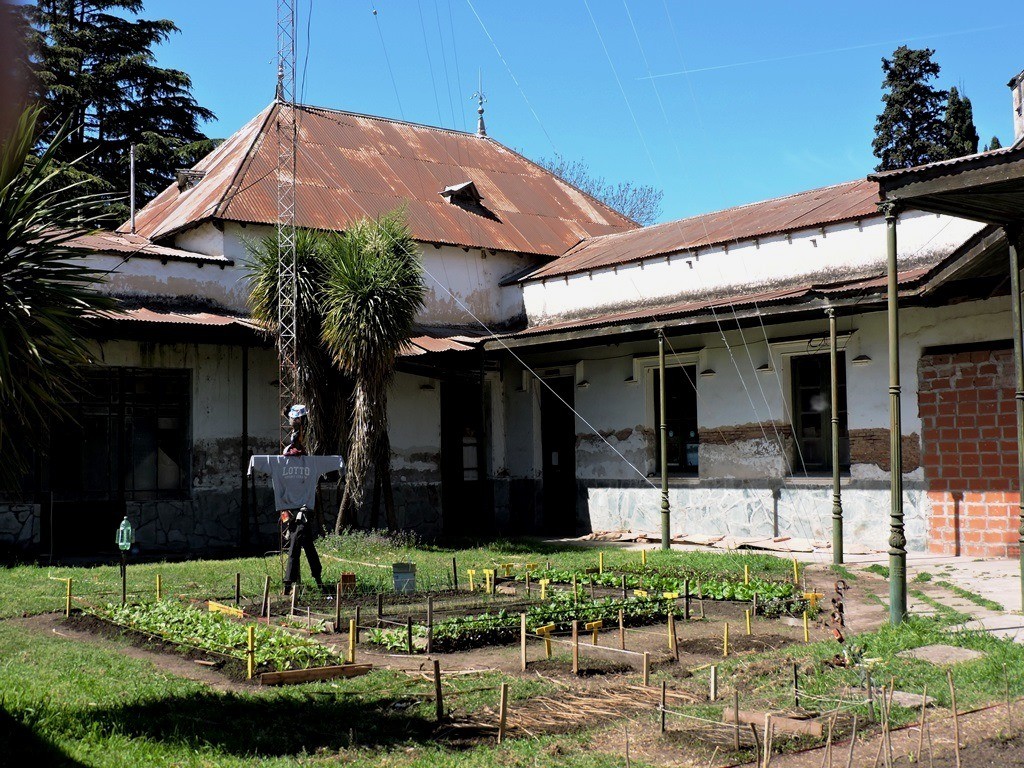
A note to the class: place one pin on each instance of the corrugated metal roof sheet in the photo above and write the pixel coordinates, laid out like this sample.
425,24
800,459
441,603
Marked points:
422,345
126,244
951,162
350,166
166,316
815,208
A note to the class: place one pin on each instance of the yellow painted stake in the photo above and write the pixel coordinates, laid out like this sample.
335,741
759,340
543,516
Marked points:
747,614
796,572
671,631
507,568
545,632
639,593
725,640
489,581
250,650
472,573
643,557
351,641
67,601
159,588
600,562
746,574
807,630
544,588
593,627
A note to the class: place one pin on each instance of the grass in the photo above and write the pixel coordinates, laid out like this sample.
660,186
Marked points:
973,597
877,568
33,589
923,577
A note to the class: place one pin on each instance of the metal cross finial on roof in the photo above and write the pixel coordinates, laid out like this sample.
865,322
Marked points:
481,129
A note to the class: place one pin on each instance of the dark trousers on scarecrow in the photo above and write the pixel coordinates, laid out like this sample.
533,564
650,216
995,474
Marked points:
301,539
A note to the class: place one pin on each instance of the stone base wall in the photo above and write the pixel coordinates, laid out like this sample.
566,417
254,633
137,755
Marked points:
741,508
19,526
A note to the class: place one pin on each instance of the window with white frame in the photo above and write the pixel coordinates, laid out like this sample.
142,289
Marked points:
812,413
680,418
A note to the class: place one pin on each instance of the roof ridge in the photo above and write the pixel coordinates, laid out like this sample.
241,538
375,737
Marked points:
398,121
230,190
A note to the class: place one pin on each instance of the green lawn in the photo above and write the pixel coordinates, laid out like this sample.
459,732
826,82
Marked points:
64,702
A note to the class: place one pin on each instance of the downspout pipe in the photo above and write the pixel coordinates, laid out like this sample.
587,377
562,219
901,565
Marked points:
1016,243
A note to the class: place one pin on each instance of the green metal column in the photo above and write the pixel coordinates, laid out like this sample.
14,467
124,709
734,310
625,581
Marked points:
837,500
1013,238
666,528
897,537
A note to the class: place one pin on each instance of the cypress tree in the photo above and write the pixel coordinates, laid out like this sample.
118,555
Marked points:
95,68
961,134
993,144
910,130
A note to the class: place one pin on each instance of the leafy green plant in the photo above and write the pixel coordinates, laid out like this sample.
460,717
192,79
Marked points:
178,623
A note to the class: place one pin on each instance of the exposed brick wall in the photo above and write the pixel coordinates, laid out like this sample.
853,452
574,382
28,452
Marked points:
969,436
741,433
871,446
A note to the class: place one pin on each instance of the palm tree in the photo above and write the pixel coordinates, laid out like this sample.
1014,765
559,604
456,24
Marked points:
322,387
373,291
47,293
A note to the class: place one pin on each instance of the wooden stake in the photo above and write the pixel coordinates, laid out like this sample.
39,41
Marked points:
664,702
686,599
1006,686
827,756
159,588
455,575
408,633
238,589
359,624
871,695
337,607
622,629
575,593
67,600
438,693
670,626
522,642
250,650
502,712
746,574
351,641
643,558
700,594
747,616
768,739
807,628
591,587
725,639
600,562
713,693
736,728
529,590
956,716
796,685
430,623
295,591
626,728
753,607
623,586
796,572
853,742
647,668
380,608
924,714
265,606
575,647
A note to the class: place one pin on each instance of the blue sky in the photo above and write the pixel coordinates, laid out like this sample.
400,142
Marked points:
774,97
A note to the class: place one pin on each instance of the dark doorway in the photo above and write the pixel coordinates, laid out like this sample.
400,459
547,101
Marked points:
558,445
464,498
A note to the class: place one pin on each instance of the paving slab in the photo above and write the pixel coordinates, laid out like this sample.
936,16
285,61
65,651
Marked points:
941,654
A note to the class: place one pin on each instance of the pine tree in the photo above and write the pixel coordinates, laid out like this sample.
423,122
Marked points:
94,66
961,134
994,144
910,131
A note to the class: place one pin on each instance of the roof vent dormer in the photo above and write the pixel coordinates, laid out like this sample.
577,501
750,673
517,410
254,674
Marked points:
188,178
464,193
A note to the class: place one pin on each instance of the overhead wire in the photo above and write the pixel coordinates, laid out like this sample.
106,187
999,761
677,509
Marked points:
430,63
387,59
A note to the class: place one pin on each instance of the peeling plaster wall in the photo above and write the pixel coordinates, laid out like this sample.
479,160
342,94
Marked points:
845,250
414,427
210,517
744,420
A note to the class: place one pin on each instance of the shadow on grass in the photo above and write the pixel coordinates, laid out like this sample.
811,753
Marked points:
20,745
247,725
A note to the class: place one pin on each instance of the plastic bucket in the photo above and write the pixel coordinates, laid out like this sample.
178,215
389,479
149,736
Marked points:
404,576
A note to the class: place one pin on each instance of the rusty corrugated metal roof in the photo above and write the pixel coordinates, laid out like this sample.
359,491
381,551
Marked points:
815,208
438,342
350,166
126,244
951,162
173,317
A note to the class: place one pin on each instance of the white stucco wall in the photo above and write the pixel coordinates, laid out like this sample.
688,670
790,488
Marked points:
844,250
414,427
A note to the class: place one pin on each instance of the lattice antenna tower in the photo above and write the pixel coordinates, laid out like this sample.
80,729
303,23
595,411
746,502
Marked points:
287,139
